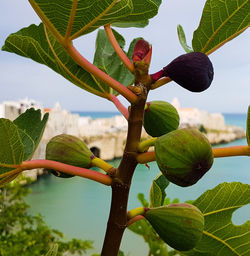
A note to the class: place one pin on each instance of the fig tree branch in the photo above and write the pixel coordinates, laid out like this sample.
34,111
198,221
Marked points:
217,152
123,110
69,169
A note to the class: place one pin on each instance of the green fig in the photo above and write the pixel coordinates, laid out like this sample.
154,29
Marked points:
183,156
160,117
70,150
179,225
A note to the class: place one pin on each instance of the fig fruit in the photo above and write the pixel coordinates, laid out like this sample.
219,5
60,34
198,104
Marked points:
179,225
193,71
183,156
70,150
160,117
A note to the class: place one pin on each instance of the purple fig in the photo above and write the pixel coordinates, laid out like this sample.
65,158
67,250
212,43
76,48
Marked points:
193,71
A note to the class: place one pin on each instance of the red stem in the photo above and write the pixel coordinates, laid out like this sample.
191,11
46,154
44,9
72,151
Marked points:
156,76
119,106
136,218
85,64
124,58
69,169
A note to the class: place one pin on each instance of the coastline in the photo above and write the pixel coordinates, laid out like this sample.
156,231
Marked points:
106,136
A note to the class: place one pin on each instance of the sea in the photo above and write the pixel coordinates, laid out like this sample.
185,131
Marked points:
79,207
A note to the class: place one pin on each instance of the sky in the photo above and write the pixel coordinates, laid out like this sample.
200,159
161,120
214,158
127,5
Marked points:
229,92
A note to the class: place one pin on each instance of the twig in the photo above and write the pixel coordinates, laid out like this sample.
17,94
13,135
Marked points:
124,58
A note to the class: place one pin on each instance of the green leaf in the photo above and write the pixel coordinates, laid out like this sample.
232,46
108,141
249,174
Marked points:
221,21
220,236
28,143
74,18
12,149
136,24
32,125
108,61
157,191
142,11
31,42
142,199
53,250
182,39
248,126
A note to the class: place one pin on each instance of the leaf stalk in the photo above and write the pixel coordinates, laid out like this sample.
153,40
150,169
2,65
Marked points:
124,58
89,67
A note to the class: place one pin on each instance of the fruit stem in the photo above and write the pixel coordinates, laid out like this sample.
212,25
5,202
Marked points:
136,218
134,212
69,169
146,157
89,67
232,151
123,110
156,76
124,58
161,82
98,162
146,144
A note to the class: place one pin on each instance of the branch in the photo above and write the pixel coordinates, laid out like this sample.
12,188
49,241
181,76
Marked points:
146,144
136,218
98,162
232,151
161,82
217,152
69,169
137,211
89,67
146,157
123,110
124,58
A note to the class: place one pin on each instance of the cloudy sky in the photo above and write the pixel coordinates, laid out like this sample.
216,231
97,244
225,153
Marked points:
229,92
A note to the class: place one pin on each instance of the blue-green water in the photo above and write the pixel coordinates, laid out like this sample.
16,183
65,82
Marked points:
79,207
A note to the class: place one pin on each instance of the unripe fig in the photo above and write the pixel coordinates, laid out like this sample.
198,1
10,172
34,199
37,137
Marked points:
70,150
193,71
183,156
179,225
160,117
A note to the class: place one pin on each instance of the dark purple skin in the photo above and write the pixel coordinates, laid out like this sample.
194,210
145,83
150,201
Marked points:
193,71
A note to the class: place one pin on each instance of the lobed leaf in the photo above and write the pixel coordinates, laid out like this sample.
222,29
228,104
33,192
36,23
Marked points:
31,42
31,127
220,236
12,149
221,21
71,19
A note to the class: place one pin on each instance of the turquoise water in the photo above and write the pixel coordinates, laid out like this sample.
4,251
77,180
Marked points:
79,207
94,115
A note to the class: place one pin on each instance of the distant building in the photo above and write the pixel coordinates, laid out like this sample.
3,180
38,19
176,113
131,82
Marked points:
12,109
